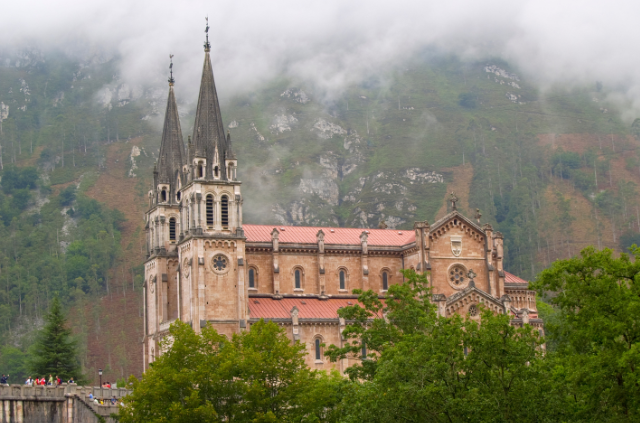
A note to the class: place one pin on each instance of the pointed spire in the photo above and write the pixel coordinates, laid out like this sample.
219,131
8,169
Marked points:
171,80
207,46
208,130
171,147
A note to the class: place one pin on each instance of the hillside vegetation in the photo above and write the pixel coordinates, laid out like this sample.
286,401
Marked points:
554,171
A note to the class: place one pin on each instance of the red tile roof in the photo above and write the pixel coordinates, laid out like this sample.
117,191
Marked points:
348,236
308,308
511,278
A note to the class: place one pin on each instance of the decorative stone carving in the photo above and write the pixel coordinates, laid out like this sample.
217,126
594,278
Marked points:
456,245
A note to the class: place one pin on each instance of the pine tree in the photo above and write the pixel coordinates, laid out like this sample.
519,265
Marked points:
55,351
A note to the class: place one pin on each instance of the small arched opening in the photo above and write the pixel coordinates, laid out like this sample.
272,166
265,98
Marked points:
385,281
172,229
163,195
209,207
297,274
200,170
252,278
343,280
224,211
317,344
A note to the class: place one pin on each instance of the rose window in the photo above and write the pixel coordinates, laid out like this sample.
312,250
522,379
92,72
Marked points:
457,276
473,310
220,263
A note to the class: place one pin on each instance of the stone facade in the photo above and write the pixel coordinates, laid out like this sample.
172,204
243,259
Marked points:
205,266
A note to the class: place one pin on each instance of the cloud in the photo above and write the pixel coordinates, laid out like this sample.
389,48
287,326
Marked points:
335,42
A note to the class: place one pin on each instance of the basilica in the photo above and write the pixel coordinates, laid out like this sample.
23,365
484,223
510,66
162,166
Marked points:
206,266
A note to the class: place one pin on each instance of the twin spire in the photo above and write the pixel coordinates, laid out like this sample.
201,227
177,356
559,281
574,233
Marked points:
209,141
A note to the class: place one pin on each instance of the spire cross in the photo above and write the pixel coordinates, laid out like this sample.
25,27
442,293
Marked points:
207,46
171,80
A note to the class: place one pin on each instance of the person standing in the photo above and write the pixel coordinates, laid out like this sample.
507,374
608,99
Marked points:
4,379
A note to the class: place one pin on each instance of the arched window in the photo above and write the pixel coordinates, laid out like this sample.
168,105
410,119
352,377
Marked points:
172,229
209,210
179,196
298,277
163,195
215,171
200,170
318,348
224,211
385,281
364,351
343,280
252,278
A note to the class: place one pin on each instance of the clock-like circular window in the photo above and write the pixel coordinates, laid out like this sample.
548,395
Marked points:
457,276
473,310
220,263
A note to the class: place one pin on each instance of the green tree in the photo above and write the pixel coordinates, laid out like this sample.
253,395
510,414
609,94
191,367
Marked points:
598,296
55,349
256,376
424,367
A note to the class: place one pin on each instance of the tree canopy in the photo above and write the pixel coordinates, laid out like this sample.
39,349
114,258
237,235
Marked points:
256,376
55,350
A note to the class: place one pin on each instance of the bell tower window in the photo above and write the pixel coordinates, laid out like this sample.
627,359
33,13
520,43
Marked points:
163,195
172,229
200,170
209,210
224,211
216,171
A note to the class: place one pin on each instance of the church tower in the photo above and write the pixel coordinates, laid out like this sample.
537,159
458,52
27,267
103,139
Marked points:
211,241
196,246
162,225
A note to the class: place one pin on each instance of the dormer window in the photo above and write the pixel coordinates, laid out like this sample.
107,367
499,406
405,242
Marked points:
200,170
215,172
163,195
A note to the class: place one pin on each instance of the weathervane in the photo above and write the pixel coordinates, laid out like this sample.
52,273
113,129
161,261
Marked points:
171,80
207,46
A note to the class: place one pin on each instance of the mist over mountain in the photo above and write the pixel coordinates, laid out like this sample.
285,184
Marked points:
340,114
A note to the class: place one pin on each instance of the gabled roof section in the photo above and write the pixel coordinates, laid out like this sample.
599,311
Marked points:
308,308
341,236
208,131
511,278
460,216
473,290
170,158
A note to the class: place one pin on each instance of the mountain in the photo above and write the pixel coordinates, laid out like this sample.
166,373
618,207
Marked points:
554,170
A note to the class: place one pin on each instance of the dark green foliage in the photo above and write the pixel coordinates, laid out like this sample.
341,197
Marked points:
15,178
563,162
628,239
13,361
467,100
257,376
55,351
596,333
68,195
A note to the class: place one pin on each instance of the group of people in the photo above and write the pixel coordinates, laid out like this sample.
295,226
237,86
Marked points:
95,400
43,382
